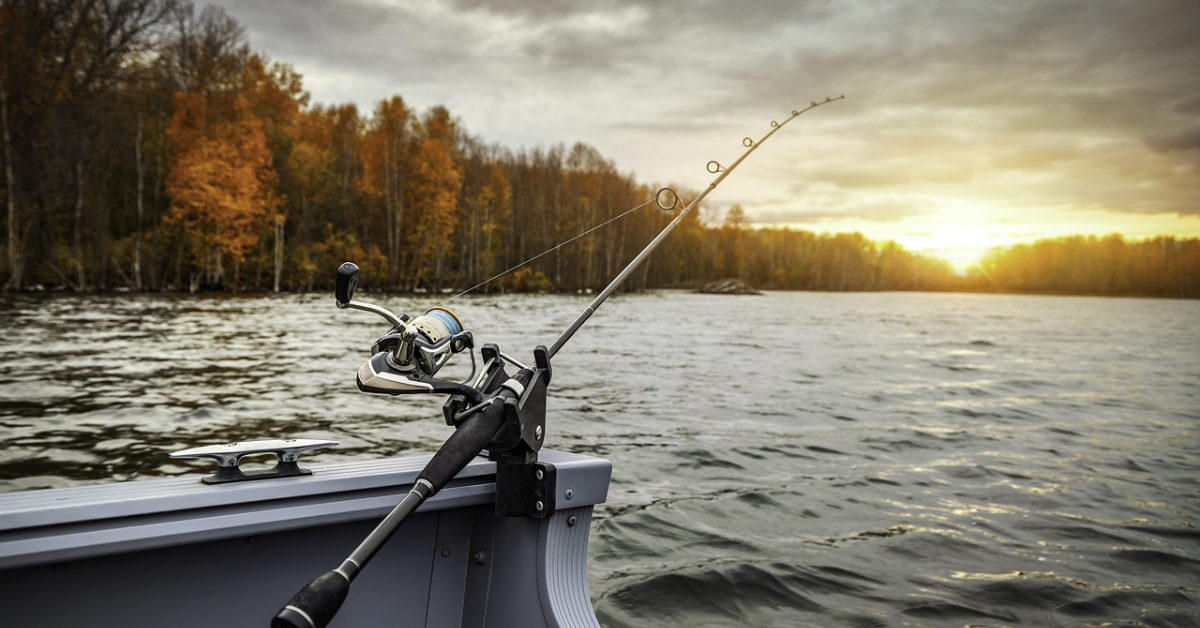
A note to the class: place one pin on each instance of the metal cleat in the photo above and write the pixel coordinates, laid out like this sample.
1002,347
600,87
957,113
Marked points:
287,452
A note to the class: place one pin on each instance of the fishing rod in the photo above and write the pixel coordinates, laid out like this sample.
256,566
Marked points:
490,410
668,194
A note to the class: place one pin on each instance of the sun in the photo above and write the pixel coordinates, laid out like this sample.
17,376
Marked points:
961,244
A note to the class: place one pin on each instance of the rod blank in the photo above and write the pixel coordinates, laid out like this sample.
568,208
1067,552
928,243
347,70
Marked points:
628,270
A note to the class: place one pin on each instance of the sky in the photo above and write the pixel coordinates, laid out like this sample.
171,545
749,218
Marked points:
966,124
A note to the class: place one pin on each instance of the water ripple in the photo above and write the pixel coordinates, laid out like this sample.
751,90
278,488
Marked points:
866,460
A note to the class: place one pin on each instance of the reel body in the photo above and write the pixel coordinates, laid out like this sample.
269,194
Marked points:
406,359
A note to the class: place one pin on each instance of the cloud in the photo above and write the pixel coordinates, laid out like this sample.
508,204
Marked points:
877,211
1071,103
1184,140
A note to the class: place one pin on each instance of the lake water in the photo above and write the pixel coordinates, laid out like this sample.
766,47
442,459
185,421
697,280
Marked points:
866,460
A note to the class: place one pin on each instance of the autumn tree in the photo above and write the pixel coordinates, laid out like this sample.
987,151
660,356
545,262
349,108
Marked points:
13,244
732,243
207,51
432,193
63,65
484,208
142,136
276,96
324,192
222,185
535,177
387,150
1094,265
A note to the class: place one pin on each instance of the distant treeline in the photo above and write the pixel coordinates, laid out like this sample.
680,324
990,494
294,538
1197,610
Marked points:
147,147
1093,265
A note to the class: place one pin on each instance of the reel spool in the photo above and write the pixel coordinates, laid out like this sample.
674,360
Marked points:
436,324
424,344
438,336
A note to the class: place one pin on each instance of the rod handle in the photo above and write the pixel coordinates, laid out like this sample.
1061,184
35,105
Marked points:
315,605
471,437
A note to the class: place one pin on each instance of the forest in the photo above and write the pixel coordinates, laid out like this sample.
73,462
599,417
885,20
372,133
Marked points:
148,147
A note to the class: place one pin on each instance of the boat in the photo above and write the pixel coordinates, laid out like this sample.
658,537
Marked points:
178,552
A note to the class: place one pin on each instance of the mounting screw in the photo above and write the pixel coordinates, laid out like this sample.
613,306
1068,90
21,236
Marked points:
539,506
479,557
445,552
538,432
572,520
540,475
570,493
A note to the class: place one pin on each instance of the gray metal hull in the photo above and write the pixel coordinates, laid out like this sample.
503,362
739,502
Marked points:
175,552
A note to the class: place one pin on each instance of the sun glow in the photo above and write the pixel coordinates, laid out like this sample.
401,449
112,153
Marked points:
961,232
961,244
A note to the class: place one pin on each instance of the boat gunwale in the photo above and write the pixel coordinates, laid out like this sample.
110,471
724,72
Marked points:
53,525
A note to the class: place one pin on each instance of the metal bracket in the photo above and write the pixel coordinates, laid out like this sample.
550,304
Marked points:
525,489
287,452
488,380
524,486
524,429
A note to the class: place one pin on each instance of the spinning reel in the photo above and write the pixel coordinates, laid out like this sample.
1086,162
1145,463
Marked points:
407,359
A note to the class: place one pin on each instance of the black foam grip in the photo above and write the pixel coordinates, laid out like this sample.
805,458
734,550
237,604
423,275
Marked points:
464,444
475,433
316,604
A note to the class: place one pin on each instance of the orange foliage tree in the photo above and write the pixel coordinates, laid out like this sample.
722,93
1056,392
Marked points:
385,155
434,184
1095,265
222,185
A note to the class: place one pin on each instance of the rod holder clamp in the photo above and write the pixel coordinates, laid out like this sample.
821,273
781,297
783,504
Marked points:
526,489
287,452
524,428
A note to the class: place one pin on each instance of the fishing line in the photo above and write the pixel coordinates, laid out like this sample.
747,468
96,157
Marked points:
547,251
713,167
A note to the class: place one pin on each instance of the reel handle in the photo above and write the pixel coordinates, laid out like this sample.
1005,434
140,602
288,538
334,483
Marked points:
347,281
343,293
